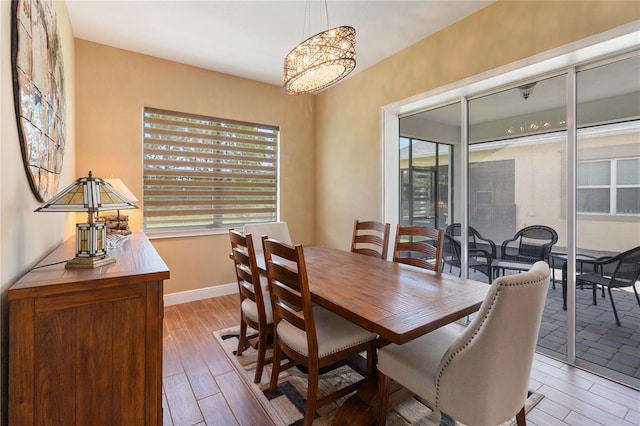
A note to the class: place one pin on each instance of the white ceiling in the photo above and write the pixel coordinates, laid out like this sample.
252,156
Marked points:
251,38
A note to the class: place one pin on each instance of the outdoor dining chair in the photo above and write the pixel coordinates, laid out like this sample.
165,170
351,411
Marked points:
478,245
530,244
625,274
452,256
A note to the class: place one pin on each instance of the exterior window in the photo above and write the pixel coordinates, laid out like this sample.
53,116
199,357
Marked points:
204,172
609,186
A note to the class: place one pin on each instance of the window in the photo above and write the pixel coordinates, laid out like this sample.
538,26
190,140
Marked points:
203,172
609,186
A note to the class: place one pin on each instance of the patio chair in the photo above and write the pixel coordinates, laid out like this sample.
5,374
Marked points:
451,255
625,274
478,245
529,244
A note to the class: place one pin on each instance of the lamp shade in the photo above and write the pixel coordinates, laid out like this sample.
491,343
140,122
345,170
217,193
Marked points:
121,188
88,194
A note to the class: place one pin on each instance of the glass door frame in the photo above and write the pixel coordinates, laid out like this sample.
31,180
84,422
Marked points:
590,52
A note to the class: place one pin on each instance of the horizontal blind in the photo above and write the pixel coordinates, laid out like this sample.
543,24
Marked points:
204,172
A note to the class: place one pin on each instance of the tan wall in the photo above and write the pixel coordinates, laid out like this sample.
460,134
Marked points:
348,115
25,236
115,85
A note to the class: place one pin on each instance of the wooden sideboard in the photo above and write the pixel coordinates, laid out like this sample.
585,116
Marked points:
85,345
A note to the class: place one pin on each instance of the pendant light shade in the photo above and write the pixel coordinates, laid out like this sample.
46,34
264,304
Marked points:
320,61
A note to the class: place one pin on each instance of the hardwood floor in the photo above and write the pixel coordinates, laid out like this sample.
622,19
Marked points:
201,387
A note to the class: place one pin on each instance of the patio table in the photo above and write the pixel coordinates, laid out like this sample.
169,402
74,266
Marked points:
512,265
560,259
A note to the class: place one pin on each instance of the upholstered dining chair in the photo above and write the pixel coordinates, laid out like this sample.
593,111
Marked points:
255,304
478,375
370,238
276,230
419,246
308,335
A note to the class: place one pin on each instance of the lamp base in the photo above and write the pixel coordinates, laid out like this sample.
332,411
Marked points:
89,262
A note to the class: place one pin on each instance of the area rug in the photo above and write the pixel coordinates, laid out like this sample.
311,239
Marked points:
287,405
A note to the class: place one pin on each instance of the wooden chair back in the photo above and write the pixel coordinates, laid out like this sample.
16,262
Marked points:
370,238
255,306
419,246
246,268
289,291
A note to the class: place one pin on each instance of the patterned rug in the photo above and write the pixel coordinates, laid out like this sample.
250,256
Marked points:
287,405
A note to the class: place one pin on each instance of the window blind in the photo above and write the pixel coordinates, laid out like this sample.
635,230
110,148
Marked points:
203,172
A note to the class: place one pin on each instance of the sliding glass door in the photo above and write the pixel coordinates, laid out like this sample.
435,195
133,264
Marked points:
561,152
608,214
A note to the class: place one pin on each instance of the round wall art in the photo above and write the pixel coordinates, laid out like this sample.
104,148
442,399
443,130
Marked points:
39,93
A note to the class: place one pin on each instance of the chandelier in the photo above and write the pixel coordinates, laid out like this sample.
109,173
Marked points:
320,61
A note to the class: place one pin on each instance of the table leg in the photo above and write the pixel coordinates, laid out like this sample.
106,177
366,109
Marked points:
564,286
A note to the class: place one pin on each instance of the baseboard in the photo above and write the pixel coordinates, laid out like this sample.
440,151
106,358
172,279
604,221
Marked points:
199,294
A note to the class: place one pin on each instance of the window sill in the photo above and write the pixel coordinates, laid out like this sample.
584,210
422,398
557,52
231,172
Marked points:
158,235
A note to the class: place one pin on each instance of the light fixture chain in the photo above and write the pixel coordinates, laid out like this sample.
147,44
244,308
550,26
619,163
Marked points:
326,11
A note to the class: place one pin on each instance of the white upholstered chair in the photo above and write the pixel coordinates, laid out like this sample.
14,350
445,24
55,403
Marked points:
276,230
308,335
478,375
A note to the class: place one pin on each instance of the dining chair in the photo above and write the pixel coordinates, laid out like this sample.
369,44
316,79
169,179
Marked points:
255,304
309,335
529,244
419,246
477,374
626,273
478,245
452,256
370,238
276,230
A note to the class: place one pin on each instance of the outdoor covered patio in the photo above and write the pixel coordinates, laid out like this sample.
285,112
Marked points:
599,341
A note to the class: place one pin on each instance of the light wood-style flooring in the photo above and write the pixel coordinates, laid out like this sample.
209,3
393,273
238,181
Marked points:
200,386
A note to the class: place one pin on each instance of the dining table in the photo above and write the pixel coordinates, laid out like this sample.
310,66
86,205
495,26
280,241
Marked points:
396,301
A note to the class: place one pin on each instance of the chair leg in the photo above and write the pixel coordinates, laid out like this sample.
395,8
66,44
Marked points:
520,418
312,394
372,358
384,383
242,339
615,313
275,371
636,292
262,353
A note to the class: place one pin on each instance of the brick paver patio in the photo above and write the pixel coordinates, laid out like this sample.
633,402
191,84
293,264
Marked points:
598,339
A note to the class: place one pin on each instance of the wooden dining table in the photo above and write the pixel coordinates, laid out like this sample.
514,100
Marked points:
398,302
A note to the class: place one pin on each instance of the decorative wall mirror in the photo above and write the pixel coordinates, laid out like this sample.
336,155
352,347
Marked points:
39,93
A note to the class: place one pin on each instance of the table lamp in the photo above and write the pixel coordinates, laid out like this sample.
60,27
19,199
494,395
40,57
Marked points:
118,224
88,194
